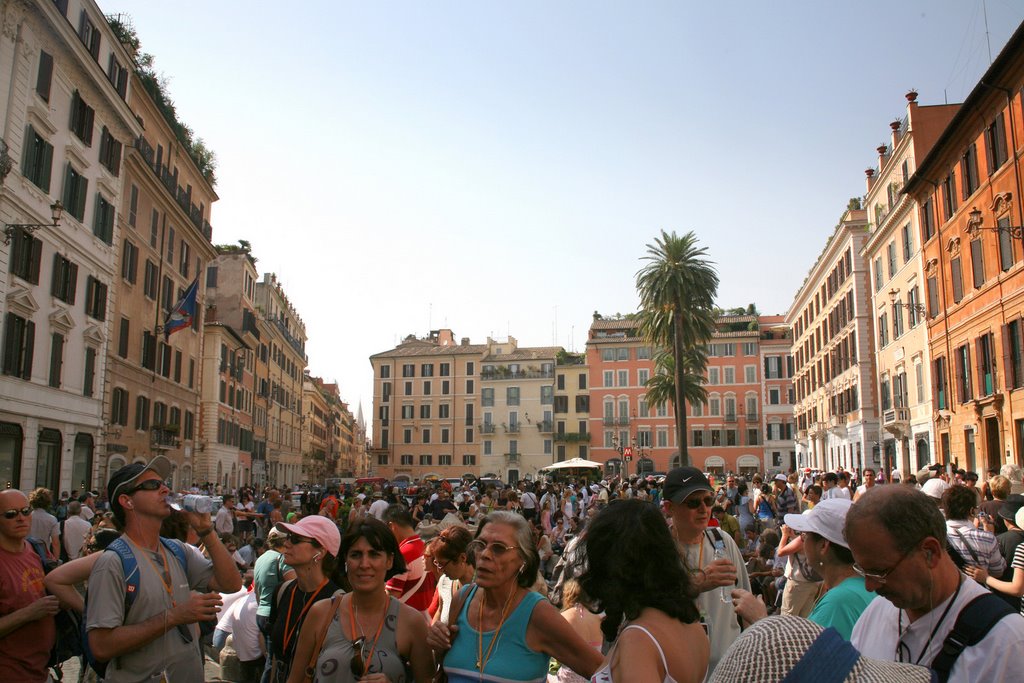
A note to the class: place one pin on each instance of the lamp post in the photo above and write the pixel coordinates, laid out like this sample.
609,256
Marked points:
625,454
56,211
974,224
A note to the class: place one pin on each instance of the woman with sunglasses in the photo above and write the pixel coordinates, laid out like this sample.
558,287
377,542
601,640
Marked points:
365,635
310,548
649,610
449,552
498,629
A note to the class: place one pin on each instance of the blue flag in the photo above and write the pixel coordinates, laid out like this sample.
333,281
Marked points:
184,311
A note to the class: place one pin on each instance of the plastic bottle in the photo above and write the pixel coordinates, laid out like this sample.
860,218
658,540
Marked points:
191,503
726,591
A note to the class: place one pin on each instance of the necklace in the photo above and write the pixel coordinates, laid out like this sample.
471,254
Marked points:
481,658
362,636
900,632
310,599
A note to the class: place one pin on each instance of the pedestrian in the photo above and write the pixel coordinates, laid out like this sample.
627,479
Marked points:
45,526
156,636
414,586
449,555
224,523
365,634
898,538
650,614
76,528
976,546
27,628
688,498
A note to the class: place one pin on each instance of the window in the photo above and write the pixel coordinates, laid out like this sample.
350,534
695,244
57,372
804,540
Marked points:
26,253
154,229
170,244
919,376
118,76
940,378
103,220
927,219
643,375
623,378
730,375
908,242
65,279
129,262
426,388
469,386
444,411
897,319
977,263
185,259
409,370
749,349
119,407
426,435
44,77
122,340
1013,351
487,396
408,411
148,360
965,391
110,152
406,436
713,376
82,116
141,413
149,285
19,340
582,381
949,195
167,295
89,35
933,297
95,298
956,275
878,273
37,160
750,374
1005,244
995,143
985,348
427,370
883,330
512,396
76,186
643,353
969,171
547,394
425,411
609,378
891,251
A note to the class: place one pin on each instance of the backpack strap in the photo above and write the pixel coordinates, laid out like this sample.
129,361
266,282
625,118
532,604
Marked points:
975,620
40,548
178,550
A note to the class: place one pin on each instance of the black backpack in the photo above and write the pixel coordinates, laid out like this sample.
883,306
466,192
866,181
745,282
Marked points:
973,623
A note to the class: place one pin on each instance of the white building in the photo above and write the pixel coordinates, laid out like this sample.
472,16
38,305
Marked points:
63,91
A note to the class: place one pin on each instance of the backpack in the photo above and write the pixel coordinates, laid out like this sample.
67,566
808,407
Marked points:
130,567
975,620
67,644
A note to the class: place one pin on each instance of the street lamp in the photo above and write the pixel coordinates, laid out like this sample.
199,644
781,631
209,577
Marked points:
894,297
56,210
625,454
974,224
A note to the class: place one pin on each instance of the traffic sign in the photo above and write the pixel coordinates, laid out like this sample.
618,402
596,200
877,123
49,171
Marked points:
627,452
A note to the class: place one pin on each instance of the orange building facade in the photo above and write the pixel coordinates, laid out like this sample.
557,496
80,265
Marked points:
968,194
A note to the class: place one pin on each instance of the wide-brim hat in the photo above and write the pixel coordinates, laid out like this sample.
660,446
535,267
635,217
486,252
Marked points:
790,649
1011,505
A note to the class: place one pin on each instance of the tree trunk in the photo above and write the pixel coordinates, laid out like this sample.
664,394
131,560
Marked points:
679,402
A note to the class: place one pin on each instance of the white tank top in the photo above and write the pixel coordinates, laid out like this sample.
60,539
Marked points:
604,674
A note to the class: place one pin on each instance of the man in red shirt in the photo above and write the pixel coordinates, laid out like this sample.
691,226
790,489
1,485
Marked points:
414,587
27,629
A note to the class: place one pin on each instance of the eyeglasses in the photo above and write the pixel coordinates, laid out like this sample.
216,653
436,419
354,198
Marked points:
441,565
497,550
694,503
148,485
13,512
295,539
880,577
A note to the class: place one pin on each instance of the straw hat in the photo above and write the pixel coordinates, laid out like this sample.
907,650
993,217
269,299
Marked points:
794,649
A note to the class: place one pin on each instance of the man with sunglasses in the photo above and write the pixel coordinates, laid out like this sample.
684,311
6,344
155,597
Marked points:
688,499
153,635
898,539
27,630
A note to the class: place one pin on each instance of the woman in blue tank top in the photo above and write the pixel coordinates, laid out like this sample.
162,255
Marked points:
501,630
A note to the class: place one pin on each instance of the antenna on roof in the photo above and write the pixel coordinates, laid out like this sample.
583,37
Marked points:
988,40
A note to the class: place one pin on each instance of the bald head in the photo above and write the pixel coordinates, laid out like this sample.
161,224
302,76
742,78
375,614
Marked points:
906,514
14,530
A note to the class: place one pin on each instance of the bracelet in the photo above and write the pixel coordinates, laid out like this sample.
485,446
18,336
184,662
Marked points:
204,532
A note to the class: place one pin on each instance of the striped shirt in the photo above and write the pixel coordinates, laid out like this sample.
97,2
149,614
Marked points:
971,542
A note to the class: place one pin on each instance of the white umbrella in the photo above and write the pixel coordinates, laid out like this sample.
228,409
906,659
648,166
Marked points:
575,463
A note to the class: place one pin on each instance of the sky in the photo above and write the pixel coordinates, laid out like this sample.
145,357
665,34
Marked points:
499,168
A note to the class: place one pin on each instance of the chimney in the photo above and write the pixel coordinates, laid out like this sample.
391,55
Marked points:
870,173
895,125
465,341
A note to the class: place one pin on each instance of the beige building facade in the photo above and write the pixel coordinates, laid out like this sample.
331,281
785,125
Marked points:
571,407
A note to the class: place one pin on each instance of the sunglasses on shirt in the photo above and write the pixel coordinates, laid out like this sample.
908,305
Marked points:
14,512
356,665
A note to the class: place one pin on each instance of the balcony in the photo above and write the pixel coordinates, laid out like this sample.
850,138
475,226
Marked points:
502,372
512,458
512,428
896,421
545,426
486,428
572,437
181,196
164,437
621,421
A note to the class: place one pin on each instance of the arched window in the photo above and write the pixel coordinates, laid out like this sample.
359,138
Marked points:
10,455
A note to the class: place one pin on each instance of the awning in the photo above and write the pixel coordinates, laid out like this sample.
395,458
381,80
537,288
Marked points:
574,463
714,461
748,461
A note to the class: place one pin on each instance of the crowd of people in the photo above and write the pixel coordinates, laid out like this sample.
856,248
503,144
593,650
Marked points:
793,576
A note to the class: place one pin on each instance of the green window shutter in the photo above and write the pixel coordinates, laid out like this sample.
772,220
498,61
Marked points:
73,282
28,349
46,162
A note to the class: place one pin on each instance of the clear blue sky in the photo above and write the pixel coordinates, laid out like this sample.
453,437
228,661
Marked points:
498,168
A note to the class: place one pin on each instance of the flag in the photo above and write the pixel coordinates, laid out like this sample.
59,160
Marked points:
184,311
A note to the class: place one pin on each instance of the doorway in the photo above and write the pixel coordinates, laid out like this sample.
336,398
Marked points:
993,448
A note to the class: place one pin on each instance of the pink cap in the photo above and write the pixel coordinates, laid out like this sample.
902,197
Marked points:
319,528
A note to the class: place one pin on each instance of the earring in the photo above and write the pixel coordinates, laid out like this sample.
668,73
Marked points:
522,567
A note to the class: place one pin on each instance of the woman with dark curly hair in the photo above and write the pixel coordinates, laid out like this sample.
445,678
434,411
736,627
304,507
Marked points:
449,554
634,574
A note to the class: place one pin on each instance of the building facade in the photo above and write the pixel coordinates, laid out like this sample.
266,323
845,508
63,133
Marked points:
832,322
778,394
893,249
226,425
66,120
968,195
427,419
572,407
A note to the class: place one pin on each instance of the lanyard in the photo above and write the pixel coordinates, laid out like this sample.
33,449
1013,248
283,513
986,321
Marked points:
290,633
380,627
164,574
901,633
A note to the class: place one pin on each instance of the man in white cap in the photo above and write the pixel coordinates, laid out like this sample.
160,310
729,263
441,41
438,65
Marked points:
154,637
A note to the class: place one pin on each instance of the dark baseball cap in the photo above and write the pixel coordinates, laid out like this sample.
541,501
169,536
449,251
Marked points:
124,478
1011,505
682,481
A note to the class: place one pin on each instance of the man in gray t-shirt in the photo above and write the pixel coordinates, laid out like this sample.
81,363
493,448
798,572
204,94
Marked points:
158,637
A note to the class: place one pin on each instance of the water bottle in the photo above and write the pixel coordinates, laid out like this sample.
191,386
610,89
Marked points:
726,591
191,503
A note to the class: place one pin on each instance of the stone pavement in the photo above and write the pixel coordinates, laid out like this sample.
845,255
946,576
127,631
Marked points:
71,671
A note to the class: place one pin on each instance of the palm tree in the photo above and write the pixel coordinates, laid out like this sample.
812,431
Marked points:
661,386
677,291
